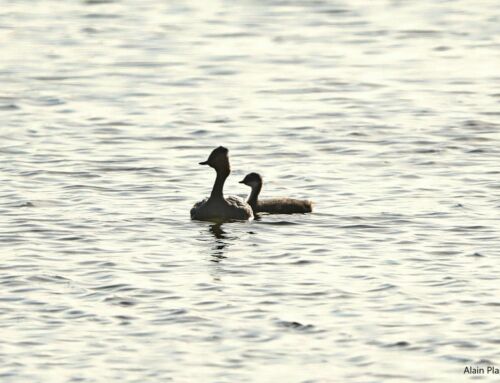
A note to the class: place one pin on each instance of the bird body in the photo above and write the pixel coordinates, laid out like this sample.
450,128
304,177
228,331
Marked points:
229,208
282,206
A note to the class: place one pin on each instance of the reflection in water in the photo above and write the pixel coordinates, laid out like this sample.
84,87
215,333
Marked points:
216,230
220,242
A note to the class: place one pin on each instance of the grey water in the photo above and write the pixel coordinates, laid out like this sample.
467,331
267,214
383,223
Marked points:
385,113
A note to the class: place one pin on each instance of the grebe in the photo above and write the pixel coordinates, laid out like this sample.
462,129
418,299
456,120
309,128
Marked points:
216,207
275,205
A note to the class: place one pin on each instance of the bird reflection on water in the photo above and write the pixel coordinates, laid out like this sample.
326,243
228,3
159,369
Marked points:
220,242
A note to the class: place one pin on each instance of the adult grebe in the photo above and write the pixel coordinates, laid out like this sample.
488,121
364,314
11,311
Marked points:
275,205
216,207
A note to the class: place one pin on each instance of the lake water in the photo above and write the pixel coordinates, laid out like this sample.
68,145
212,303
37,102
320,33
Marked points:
385,113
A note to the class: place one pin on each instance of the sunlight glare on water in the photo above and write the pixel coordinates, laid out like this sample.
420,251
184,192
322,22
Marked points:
384,113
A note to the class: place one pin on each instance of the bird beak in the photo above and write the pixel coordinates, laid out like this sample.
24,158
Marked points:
204,163
241,182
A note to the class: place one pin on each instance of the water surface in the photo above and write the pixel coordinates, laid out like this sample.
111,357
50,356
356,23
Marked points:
384,113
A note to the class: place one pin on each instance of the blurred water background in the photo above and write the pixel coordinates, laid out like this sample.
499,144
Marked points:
385,113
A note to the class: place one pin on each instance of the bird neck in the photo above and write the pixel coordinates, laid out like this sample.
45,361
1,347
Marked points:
219,184
254,195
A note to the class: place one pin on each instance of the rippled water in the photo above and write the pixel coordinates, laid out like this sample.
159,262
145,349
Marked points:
385,113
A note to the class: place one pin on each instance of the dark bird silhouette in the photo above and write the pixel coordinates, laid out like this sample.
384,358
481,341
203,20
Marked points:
216,207
275,205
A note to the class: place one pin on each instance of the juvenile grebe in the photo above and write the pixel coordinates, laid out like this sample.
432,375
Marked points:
216,207
275,205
